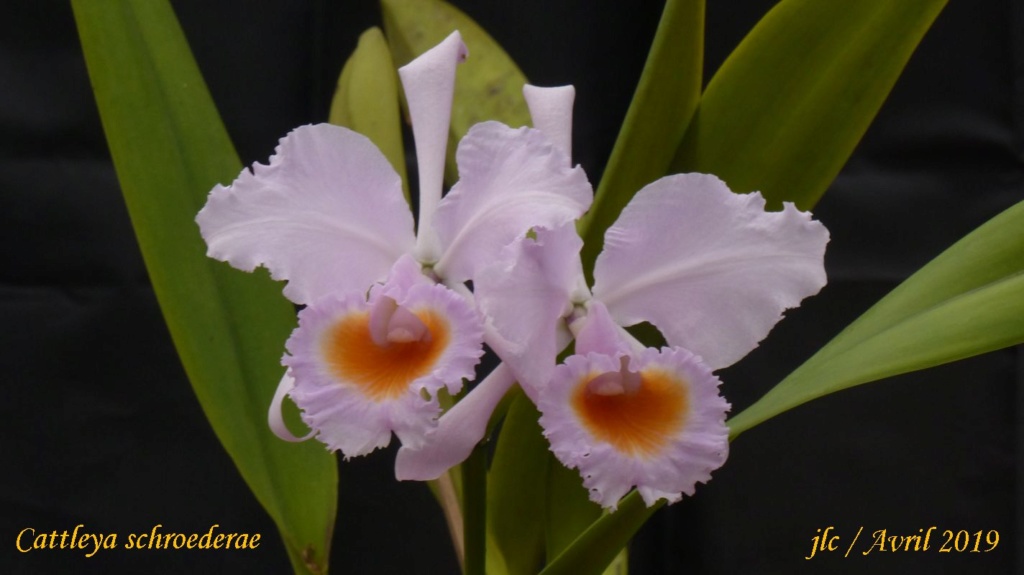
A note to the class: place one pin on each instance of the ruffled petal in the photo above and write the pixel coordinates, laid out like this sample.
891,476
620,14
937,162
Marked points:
510,181
662,433
353,391
458,431
429,83
524,294
711,269
327,214
551,110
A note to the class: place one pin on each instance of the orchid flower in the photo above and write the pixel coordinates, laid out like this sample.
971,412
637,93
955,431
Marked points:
387,321
709,268
712,270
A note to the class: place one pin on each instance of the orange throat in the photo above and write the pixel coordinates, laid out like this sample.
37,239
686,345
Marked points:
382,372
638,422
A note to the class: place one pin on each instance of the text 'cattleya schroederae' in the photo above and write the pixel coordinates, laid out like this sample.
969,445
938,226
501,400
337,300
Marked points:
389,320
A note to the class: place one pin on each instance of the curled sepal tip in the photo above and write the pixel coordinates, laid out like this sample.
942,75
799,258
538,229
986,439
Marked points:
275,417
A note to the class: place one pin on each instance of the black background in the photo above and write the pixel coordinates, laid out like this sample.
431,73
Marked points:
98,425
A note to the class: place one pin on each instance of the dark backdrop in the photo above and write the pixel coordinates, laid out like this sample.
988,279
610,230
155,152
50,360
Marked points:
98,425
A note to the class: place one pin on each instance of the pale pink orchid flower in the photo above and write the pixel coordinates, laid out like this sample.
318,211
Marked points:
712,270
388,321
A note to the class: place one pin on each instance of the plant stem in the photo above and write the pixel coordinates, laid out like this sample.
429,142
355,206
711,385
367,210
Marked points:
474,506
447,497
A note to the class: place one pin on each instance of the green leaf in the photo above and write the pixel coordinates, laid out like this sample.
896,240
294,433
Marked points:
571,512
599,545
664,103
169,148
517,488
965,302
569,508
787,108
536,506
366,99
488,86
495,560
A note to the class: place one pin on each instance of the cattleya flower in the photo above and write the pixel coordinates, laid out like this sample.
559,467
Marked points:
388,320
712,270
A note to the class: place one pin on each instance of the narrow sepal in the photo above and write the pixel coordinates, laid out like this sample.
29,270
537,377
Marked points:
429,83
458,431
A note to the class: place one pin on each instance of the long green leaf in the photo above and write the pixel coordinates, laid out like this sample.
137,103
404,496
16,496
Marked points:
488,86
662,106
536,506
571,513
569,508
517,489
366,99
789,105
598,546
169,148
969,300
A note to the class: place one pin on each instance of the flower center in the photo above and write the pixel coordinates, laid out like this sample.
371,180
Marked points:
636,413
384,350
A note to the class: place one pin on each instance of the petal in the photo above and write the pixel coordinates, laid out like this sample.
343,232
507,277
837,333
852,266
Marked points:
709,268
429,83
510,181
354,392
327,214
524,295
458,431
551,110
663,437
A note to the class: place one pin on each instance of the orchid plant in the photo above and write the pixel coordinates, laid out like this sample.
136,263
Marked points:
521,257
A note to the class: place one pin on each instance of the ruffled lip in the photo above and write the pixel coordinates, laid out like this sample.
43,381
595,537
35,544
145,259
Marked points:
663,460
